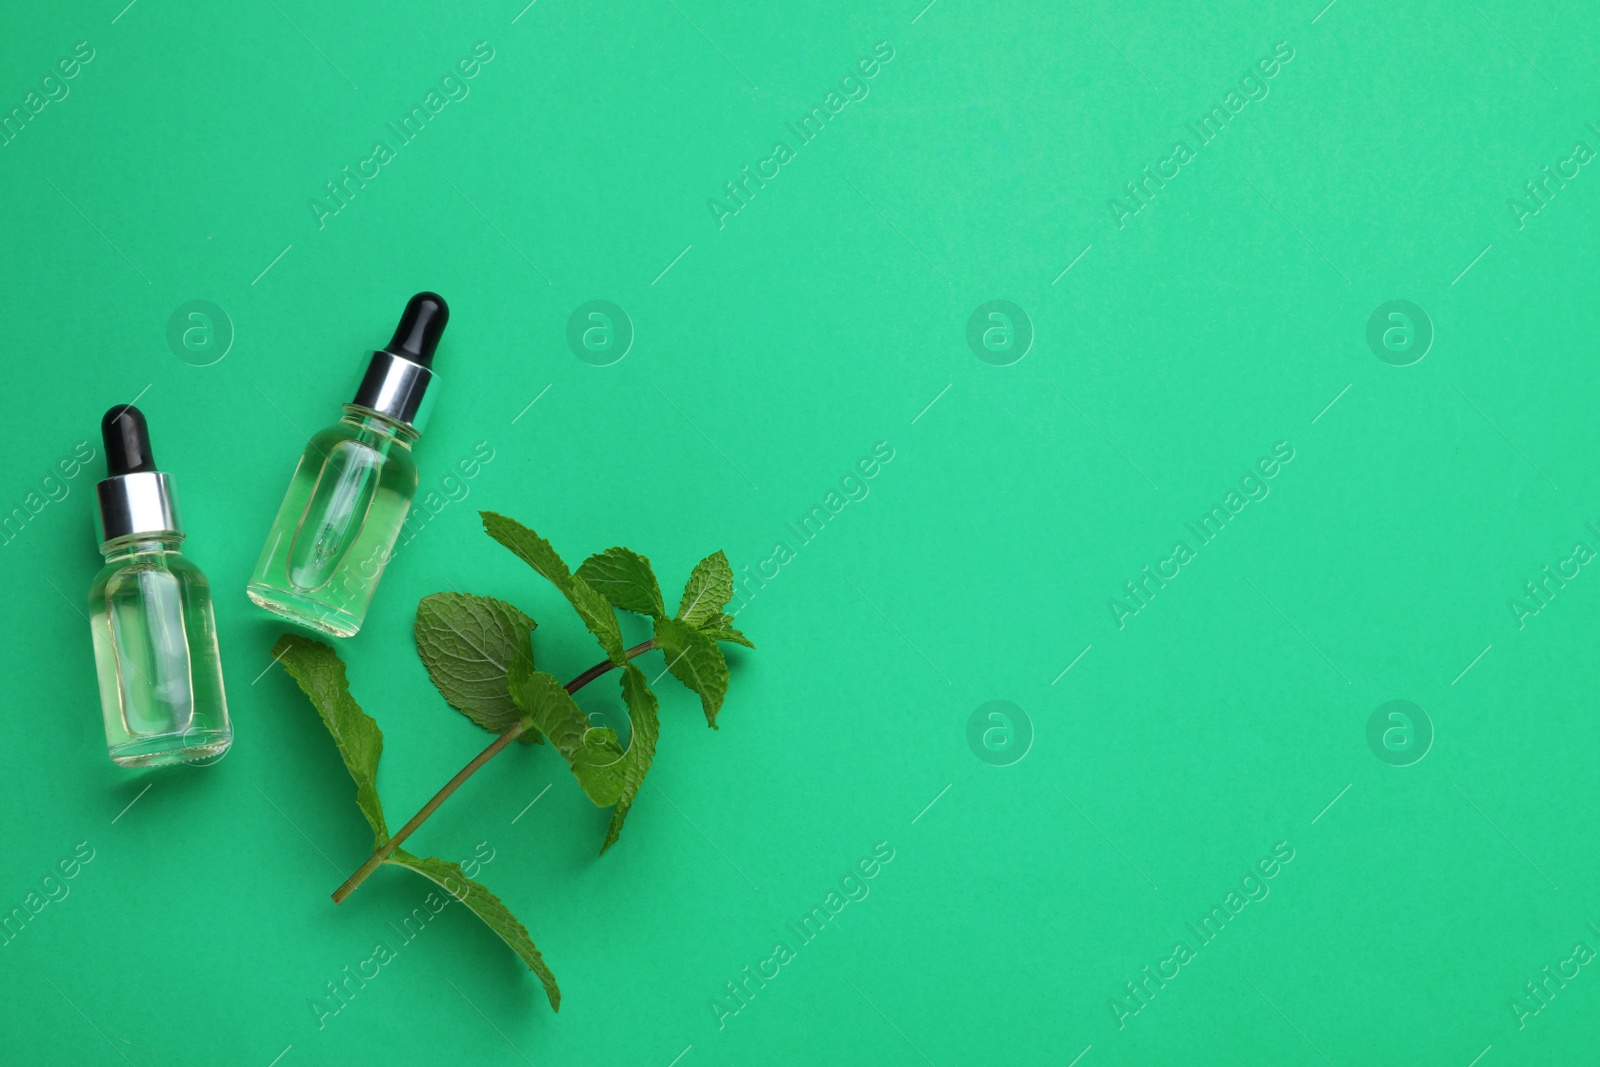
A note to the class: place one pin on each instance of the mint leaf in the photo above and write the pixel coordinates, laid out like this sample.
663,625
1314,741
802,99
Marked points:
710,586
486,906
625,579
646,728
319,672
593,753
537,553
468,644
720,628
696,661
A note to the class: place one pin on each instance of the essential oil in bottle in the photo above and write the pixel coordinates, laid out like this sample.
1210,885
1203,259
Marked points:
353,487
155,638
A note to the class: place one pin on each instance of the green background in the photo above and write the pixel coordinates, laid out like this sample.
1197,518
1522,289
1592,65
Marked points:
773,353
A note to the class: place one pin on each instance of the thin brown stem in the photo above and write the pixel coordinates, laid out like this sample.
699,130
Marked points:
497,746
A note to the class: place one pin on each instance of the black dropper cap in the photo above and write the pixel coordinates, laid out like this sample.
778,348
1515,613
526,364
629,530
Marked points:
420,328
135,497
127,441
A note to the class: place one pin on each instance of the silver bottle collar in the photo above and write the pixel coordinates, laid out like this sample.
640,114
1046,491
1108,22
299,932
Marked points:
144,503
397,388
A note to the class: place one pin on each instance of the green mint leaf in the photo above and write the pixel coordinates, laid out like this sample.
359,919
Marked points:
646,728
319,672
710,587
593,753
720,628
468,644
486,906
537,553
625,579
696,661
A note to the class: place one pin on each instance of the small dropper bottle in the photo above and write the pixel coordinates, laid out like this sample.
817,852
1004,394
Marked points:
352,489
155,637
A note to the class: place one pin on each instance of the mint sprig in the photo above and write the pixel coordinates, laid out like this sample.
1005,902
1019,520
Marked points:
478,653
321,675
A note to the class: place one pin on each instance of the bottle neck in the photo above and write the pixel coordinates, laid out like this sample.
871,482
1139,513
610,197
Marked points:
370,421
141,544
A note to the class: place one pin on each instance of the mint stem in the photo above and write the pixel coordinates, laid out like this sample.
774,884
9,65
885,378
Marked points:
377,859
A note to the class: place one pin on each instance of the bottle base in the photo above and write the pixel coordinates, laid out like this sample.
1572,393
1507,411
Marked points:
303,610
195,747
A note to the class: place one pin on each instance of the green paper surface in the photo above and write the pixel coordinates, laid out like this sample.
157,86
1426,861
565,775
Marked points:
950,324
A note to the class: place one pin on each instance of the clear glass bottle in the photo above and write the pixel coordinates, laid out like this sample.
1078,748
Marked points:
352,489
155,637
